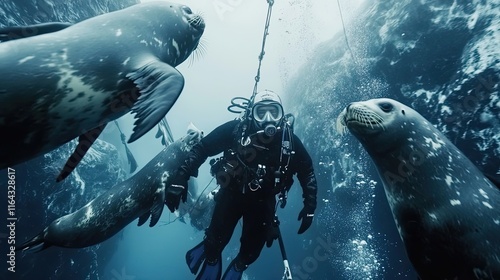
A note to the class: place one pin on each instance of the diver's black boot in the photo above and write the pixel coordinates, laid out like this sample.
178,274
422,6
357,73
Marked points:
195,257
235,270
211,270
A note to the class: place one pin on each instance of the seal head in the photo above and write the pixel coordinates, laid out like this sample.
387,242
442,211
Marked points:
370,119
445,208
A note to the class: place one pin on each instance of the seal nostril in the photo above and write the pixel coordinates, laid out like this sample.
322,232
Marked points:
403,112
187,10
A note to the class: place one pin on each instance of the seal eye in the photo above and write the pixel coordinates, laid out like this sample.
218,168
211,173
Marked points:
386,107
187,10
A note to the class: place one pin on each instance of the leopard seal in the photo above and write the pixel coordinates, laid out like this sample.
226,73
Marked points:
141,196
69,83
446,211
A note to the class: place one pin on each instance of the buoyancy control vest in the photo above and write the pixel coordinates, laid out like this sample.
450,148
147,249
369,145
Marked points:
256,162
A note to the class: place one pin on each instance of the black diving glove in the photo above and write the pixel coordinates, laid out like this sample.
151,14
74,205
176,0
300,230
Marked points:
306,215
176,191
272,234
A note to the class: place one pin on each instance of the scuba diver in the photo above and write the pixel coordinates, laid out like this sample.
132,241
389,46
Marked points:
260,156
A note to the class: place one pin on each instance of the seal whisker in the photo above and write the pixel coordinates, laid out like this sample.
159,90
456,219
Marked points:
202,46
340,124
364,119
364,116
368,119
199,17
193,20
196,20
198,53
380,121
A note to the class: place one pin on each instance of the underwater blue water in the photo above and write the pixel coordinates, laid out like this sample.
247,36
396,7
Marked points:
440,58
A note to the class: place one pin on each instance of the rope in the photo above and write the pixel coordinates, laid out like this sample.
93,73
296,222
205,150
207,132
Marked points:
345,34
262,52
192,207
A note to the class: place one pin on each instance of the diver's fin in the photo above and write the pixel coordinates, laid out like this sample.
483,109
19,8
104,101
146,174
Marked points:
493,179
195,257
35,244
210,271
143,218
18,32
84,142
160,85
182,220
167,134
157,207
164,132
131,160
159,132
232,272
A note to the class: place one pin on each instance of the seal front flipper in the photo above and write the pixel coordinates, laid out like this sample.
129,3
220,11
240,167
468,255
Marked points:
493,179
18,32
160,85
143,218
84,142
35,244
156,209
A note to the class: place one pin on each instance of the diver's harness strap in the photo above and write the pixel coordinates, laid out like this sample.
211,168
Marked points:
233,165
286,151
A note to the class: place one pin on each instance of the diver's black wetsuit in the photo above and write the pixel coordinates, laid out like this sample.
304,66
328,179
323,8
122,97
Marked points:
238,197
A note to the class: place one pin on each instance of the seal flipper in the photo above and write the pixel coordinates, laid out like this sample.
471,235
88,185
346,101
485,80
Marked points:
157,207
18,32
143,218
84,142
35,244
493,179
155,211
160,85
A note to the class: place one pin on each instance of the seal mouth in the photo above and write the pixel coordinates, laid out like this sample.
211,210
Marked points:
197,22
359,117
